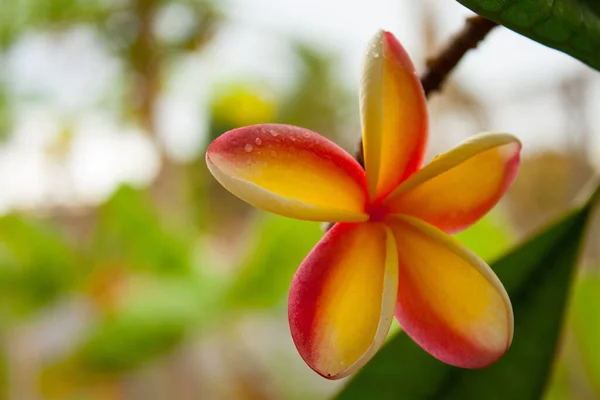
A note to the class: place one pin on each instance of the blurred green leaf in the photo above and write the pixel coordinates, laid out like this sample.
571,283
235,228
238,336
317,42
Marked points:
559,387
488,238
571,26
152,320
586,326
5,112
537,276
282,244
318,99
18,16
37,265
131,233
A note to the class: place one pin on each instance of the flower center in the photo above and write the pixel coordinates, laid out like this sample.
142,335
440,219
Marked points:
376,211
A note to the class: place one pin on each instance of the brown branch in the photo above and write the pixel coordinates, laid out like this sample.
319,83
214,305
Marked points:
439,66
475,30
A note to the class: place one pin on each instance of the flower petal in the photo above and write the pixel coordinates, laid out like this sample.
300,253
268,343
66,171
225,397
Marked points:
459,187
449,301
289,171
393,114
342,298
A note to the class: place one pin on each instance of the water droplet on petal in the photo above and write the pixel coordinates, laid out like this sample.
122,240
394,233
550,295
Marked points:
258,141
376,55
306,134
248,148
273,133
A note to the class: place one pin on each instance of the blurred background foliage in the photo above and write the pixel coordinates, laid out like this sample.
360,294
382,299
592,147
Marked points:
173,288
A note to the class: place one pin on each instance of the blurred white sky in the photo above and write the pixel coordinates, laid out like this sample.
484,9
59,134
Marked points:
73,74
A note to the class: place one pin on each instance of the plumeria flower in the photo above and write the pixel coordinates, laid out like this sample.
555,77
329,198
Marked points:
389,252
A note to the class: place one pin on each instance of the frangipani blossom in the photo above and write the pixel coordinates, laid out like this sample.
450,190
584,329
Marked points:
389,253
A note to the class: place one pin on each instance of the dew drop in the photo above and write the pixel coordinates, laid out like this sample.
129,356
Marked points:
273,133
258,141
306,134
376,55
248,148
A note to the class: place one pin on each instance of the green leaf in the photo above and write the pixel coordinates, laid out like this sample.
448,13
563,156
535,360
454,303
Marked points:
586,326
155,319
537,276
571,26
559,386
37,265
130,231
20,16
489,238
267,272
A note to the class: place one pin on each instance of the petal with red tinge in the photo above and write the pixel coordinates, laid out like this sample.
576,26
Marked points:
393,115
459,187
342,298
449,301
289,171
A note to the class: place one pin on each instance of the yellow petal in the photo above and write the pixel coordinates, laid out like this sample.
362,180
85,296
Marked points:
342,298
449,301
289,171
393,114
459,187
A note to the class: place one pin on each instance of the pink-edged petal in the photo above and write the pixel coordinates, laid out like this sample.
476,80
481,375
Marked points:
289,171
342,298
393,115
459,187
449,301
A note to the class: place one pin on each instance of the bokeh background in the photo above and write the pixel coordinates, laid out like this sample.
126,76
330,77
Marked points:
127,272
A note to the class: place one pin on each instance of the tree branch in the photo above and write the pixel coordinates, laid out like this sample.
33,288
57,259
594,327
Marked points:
475,30
439,66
